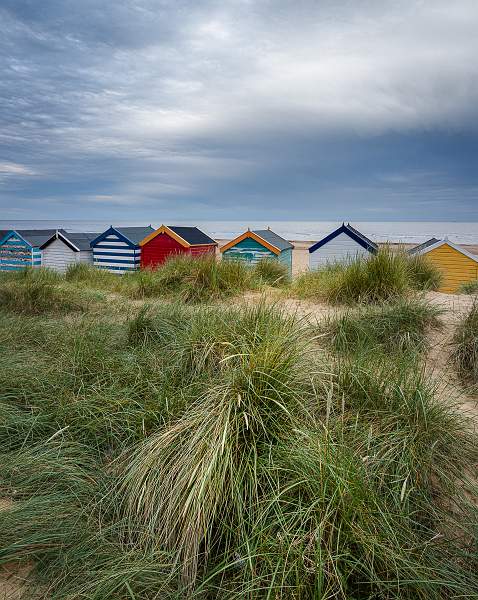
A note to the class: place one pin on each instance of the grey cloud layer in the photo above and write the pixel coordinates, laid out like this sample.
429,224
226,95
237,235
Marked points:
204,104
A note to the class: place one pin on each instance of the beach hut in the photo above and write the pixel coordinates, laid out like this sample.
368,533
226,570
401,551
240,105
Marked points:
64,249
169,240
456,264
253,246
117,249
343,244
21,249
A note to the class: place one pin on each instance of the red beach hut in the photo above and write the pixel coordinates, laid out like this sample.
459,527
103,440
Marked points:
168,240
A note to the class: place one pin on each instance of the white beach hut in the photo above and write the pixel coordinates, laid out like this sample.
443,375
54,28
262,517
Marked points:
345,243
64,249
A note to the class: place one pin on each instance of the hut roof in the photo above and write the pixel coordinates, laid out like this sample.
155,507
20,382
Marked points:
438,243
418,249
273,238
353,233
77,241
130,234
135,234
37,237
266,237
186,236
192,235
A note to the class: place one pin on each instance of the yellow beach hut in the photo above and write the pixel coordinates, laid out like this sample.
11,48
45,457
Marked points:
456,264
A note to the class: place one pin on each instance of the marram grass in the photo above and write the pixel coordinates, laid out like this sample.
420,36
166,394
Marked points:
380,277
397,326
465,346
222,453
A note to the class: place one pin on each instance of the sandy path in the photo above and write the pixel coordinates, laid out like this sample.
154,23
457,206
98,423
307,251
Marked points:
439,363
13,578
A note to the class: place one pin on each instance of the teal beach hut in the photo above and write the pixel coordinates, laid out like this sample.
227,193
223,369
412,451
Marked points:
21,249
259,244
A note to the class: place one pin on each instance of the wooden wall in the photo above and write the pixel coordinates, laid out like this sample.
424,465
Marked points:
115,255
455,267
16,254
339,249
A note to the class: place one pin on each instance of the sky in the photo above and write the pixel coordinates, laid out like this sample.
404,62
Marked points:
250,109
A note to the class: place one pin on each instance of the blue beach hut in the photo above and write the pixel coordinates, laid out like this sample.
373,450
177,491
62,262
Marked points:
117,249
21,249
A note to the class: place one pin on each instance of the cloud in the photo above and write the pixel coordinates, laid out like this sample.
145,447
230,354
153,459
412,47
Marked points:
252,100
10,169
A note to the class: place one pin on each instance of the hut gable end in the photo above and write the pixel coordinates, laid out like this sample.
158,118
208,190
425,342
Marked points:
117,249
345,243
455,263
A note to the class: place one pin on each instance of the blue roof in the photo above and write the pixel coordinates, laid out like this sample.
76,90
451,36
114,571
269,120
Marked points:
274,239
131,235
33,237
353,233
421,247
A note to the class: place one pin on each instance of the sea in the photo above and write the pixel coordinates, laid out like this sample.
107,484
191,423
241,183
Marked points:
404,232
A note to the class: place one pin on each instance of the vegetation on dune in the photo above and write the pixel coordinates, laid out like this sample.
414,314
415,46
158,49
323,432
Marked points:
87,274
218,453
38,291
191,279
272,272
396,326
465,345
377,278
422,273
469,288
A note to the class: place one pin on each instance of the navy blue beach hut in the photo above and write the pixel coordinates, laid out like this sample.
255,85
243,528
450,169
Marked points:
254,246
21,249
117,249
344,244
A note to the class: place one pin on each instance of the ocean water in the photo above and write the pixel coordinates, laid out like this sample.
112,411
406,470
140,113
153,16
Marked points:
405,232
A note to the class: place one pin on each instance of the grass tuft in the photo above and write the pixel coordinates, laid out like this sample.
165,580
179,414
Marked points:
469,288
397,326
271,272
381,277
423,274
36,296
191,279
465,345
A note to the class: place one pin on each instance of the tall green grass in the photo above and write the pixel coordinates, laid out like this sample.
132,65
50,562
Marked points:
396,326
272,272
422,273
191,279
35,296
219,452
469,288
381,277
87,274
465,345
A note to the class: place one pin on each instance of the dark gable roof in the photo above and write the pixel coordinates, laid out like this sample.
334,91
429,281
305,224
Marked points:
355,235
3,233
421,247
37,237
135,234
192,235
274,239
75,240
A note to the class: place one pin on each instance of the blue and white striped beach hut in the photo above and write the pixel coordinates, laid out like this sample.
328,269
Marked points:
21,249
117,249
